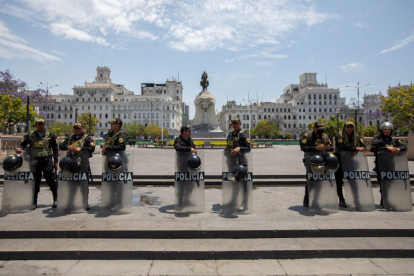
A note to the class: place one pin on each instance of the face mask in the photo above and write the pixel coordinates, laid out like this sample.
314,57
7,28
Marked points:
320,131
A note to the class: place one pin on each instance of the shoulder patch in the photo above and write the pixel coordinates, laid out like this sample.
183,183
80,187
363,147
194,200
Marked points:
248,140
121,140
304,140
340,140
92,144
400,141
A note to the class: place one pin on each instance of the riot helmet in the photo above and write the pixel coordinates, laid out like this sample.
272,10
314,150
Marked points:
239,173
386,125
317,164
194,163
70,163
115,162
331,162
12,162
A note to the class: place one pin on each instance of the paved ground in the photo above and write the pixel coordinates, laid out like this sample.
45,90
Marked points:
278,160
363,266
274,208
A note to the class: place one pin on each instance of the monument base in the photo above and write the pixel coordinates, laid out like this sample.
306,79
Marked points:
207,131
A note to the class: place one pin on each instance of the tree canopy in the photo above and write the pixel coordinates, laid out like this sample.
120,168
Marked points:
133,129
13,111
84,119
266,129
60,128
400,105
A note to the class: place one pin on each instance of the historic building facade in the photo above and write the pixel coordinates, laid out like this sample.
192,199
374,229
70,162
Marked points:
299,105
158,104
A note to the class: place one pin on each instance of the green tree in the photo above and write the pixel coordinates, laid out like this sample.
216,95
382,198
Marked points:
265,129
165,132
370,131
400,105
153,130
133,129
84,119
13,111
60,128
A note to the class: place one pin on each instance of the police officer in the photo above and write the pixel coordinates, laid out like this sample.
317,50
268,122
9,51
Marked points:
115,139
242,143
384,141
346,140
313,141
184,142
42,143
77,143
238,142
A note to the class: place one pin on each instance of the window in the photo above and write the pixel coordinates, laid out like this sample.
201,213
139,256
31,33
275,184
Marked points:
135,115
106,116
100,116
139,115
310,117
124,115
260,117
70,116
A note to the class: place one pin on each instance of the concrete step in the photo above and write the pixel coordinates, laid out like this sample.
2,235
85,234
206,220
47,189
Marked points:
72,228
206,249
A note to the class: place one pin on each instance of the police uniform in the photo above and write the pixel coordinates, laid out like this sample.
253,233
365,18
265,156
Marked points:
382,142
239,139
115,141
308,143
184,144
43,149
343,143
84,141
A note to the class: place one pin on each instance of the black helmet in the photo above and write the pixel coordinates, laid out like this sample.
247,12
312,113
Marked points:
12,162
194,163
240,172
331,162
317,164
70,163
115,162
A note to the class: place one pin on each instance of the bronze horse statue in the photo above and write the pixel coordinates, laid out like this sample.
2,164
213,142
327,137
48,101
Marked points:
204,81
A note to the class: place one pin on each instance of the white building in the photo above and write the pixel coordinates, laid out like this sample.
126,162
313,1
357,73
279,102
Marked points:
299,105
158,104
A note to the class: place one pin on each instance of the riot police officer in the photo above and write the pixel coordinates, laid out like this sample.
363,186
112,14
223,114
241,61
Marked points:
313,141
116,142
77,143
347,140
238,143
184,142
42,143
115,139
384,141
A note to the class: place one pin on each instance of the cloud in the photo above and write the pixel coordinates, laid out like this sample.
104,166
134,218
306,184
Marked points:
13,46
184,25
361,25
353,67
399,44
71,33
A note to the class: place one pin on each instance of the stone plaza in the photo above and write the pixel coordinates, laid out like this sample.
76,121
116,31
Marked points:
280,237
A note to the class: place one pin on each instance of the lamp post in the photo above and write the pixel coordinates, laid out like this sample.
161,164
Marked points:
337,119
357,108
42,85
76,111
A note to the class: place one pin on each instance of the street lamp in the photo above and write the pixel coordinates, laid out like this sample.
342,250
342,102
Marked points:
357,108
337,119
76,111
90,121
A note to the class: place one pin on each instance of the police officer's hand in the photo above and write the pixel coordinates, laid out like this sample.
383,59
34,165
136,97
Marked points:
360,149
56,166
193,150
77,149
320,147
393,151
70,148
354,152
18,150
235,152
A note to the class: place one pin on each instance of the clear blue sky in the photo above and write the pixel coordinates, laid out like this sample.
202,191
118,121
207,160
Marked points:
245,46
